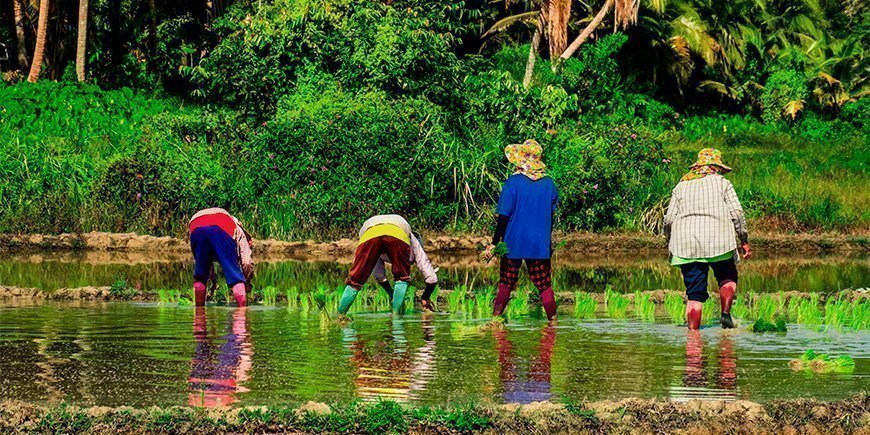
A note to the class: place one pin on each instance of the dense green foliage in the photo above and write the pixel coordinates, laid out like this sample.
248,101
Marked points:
305,117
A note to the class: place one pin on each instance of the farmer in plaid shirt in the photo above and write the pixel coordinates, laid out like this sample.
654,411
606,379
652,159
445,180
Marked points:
702,219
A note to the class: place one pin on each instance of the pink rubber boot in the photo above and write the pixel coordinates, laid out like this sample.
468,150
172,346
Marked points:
239,294
693,314
726,295
199,293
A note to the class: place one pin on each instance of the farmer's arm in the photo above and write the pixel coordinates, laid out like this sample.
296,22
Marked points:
673,210
243,242
425,266
504,210
737,218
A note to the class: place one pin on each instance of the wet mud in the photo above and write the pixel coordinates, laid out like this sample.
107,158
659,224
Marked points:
628,416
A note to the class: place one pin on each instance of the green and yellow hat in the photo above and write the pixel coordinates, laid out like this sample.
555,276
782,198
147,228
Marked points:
710,157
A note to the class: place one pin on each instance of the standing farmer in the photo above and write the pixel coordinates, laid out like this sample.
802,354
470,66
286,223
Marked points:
215,235
700,224
525,223
388,238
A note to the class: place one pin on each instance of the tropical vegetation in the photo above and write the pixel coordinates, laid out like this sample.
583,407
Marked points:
305,116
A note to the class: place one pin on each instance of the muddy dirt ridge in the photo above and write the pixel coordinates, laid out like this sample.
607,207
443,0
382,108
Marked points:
574,244
623,416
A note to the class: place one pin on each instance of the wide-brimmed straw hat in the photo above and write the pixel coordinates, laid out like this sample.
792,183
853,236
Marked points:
710,157
526,156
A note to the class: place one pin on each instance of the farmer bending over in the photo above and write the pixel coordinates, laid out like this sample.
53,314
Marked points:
525,223
388,238
700,224
215,235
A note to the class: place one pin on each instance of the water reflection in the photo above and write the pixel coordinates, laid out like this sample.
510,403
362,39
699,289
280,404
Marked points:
696,384
217,374
387,369
535,385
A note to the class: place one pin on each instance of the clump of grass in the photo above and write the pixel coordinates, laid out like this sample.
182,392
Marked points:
615,303
676,308
584,305
168,296
121,289
807,311
644,307
823,363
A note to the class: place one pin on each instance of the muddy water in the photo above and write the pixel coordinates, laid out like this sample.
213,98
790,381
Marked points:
144,354
763,273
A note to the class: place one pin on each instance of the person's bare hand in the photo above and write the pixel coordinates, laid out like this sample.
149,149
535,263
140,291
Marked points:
487,253
746,250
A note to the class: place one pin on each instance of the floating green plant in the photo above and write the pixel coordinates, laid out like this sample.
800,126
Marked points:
676,308
644,307
584,305
764,325
823,363
616,304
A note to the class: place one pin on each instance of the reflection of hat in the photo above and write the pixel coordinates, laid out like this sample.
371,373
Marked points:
710,157
527,158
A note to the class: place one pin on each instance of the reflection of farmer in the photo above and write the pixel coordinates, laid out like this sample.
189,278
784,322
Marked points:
695,384
388,238
525,222
215,376
702,217
215,235
536,388
388,370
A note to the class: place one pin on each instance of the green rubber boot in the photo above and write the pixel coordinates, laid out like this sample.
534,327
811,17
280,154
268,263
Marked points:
399,290
347,299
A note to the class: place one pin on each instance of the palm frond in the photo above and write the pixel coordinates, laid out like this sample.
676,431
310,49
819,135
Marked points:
506,22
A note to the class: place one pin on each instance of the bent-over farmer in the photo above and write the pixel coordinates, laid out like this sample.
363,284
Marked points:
215,235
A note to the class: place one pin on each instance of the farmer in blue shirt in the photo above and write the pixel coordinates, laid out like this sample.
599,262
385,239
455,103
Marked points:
525,223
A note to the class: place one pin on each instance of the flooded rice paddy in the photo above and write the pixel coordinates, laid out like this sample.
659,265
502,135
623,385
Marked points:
144,353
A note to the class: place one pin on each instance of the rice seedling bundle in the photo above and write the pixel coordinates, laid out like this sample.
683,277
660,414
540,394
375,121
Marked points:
676,308
644,307
823,363
584,305
616,304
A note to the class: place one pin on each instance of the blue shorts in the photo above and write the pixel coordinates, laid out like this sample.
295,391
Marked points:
210,244
695,277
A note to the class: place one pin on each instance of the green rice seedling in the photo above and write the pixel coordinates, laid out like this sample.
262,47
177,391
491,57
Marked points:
333,298
859,315
292,294
409,300
739,309
823,363
270,295
305,304
222,293
765,308
483,301
644,307
381,301
319,300
456,299
837,312
584,305
781,305
501,249
518,305
168,296
615,303
710,311
468,309
676,308
186,301
808,311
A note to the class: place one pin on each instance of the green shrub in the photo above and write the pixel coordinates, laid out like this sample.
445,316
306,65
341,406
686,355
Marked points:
782,88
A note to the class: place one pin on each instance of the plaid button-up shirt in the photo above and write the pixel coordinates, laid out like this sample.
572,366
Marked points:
703,217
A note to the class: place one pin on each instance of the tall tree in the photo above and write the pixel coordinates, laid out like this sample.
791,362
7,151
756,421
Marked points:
39,50
20,43
557,26
82,42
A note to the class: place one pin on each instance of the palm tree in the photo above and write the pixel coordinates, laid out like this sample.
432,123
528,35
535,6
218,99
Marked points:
20,45
39,50
82,42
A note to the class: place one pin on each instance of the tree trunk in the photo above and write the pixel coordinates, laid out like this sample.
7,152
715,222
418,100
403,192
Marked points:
82,43
530,65
39,50
557,27
587,31
20,43
152,20
209,14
